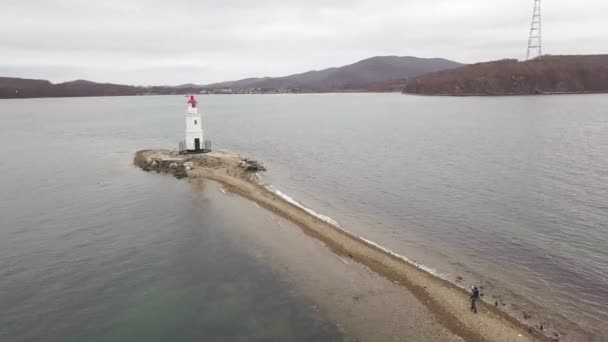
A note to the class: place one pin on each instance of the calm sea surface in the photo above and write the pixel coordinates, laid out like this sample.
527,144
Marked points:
509,193
93,249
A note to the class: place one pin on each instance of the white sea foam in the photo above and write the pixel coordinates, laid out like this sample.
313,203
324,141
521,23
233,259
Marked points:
222,190
299,205
369,242
402,257
343,260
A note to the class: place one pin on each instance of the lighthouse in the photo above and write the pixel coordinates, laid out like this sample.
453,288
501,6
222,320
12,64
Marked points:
194,127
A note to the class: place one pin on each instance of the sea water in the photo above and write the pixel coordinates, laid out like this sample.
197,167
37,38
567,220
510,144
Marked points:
509,193
94,249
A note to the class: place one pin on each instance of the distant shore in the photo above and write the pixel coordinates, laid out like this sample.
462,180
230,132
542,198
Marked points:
448,302
546,75
509,94
360,91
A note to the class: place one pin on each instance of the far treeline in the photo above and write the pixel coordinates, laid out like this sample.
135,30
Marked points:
544,75
29,88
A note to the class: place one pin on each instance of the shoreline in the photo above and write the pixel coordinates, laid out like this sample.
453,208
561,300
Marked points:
357,91
364,306
507,94
446,300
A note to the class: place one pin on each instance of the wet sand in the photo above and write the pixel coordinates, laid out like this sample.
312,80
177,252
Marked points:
447,302
363,305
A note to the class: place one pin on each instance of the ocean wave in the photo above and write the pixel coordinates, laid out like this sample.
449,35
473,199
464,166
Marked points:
367,241
404,258
299,205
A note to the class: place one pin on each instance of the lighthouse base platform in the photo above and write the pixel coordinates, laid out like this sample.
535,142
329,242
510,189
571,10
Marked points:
206,148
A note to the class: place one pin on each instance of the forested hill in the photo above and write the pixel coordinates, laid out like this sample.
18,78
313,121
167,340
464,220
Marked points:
545,75
27,88
360,76
356,76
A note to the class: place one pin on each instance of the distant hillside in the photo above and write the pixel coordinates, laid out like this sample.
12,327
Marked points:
373,74
545,75
19,87
27,88
354,76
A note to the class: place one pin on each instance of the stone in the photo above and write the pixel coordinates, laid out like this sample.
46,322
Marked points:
173,166
250,165
180,173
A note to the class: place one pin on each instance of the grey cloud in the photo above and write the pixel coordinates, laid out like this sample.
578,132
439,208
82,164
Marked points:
161,42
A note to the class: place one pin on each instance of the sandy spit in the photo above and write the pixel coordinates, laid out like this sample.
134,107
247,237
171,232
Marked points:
448,302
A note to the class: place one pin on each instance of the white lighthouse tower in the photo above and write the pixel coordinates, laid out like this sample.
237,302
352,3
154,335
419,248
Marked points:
194,127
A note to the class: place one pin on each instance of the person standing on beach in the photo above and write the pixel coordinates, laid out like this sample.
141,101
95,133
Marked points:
474,297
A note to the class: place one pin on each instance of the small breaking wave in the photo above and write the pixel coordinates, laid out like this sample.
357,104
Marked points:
404,258
367,241
299,205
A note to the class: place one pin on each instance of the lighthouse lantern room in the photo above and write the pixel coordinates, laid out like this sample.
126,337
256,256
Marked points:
194,127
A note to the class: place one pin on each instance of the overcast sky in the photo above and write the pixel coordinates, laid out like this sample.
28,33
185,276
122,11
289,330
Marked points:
203,41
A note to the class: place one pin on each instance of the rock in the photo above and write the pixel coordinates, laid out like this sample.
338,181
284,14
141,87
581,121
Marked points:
173,166
154,163
251,165
189,164
149,160
180,173
188,168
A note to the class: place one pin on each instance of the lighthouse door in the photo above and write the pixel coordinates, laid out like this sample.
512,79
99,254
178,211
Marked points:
197,144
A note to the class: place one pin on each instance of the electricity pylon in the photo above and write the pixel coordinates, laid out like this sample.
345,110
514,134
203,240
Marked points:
535,42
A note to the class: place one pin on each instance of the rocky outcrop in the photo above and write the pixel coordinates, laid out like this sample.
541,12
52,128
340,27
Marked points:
178,165
160,165
545,75
251,165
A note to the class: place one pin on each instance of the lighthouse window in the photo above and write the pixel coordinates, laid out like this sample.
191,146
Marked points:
195,122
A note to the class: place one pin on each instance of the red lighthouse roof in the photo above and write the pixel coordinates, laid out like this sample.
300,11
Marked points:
192,101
